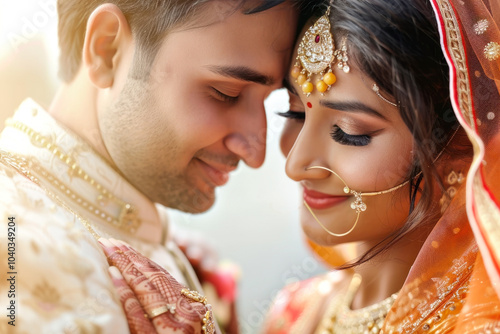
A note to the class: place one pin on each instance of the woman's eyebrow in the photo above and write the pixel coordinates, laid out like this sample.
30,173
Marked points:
352,106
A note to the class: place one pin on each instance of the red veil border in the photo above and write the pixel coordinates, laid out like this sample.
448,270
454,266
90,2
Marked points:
454,284
470,39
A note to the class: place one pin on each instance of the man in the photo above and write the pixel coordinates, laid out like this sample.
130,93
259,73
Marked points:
161,100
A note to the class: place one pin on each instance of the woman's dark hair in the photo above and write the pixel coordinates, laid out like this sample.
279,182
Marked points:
396,44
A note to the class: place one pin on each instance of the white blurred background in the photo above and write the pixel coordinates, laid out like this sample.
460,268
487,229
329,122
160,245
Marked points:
254,222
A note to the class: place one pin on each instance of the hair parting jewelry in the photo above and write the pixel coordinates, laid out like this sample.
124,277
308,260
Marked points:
376,89
358,205
317,55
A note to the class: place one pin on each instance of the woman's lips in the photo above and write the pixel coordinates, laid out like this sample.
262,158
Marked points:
320,201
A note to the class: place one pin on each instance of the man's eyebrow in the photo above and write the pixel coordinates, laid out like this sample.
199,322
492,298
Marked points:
288,85
242,73
352,106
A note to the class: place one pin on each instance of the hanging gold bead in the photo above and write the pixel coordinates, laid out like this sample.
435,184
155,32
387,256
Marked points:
295,72
321,86
301,79
307,87
329,78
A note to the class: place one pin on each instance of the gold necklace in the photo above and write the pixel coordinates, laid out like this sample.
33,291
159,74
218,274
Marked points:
32,169
22,166
341,319
26,167
127,219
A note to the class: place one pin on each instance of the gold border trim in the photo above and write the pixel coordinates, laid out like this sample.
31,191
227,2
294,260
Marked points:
487,211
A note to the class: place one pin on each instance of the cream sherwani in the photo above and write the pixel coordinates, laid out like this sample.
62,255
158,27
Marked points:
63,196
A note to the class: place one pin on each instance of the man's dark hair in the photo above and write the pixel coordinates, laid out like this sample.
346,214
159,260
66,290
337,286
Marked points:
149,20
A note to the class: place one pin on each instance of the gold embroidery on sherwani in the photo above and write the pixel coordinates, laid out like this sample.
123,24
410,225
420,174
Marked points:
45,295
21,165
63,273
127,218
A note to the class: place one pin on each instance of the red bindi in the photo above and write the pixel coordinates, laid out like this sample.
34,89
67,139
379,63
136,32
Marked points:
309,105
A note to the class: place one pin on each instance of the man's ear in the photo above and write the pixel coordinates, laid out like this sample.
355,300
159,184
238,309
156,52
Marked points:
107,36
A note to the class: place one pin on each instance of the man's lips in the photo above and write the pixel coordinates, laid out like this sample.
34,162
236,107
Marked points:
217,173
320,201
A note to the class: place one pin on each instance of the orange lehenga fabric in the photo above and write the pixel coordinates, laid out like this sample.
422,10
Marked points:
454,284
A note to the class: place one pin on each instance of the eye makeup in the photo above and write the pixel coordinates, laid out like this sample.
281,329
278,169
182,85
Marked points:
341,137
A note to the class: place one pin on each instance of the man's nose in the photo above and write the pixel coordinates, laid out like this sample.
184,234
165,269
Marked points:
249,135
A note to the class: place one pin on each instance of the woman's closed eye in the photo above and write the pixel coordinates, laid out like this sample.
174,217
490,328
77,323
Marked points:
344,138
295,115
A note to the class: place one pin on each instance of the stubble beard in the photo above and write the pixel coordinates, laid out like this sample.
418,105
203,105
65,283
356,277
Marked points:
146,161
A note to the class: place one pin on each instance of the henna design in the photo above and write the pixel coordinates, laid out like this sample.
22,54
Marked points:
153,287
137,322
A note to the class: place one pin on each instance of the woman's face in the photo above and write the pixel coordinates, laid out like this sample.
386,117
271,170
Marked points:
362,138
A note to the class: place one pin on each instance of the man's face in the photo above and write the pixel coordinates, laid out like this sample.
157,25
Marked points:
177,134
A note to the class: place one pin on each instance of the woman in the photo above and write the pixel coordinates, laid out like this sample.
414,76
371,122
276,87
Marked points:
374,141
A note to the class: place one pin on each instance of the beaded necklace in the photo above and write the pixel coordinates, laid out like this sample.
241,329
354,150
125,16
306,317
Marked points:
127,219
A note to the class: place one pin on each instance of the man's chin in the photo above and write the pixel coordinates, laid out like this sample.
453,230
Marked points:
197,203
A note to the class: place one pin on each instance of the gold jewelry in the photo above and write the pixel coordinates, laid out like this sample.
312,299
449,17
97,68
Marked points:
195,296
161,310
24,167
454,180
317,55
341,319
376,89
358,205
208,320
127,219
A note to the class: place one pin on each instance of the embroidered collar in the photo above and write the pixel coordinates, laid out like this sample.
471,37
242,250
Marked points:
79,176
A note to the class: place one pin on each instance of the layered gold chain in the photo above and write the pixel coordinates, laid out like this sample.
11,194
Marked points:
127,219
25,167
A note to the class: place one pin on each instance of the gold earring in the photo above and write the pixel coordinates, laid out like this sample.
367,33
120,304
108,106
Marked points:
454,180
358,205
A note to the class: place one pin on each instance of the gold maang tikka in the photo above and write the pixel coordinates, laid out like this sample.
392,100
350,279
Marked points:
317,55
358,205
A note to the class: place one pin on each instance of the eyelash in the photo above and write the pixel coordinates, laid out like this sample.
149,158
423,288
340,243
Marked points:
225,98
296,115
343,138
337,133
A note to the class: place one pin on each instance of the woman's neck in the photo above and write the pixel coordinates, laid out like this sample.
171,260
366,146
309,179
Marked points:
387,272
